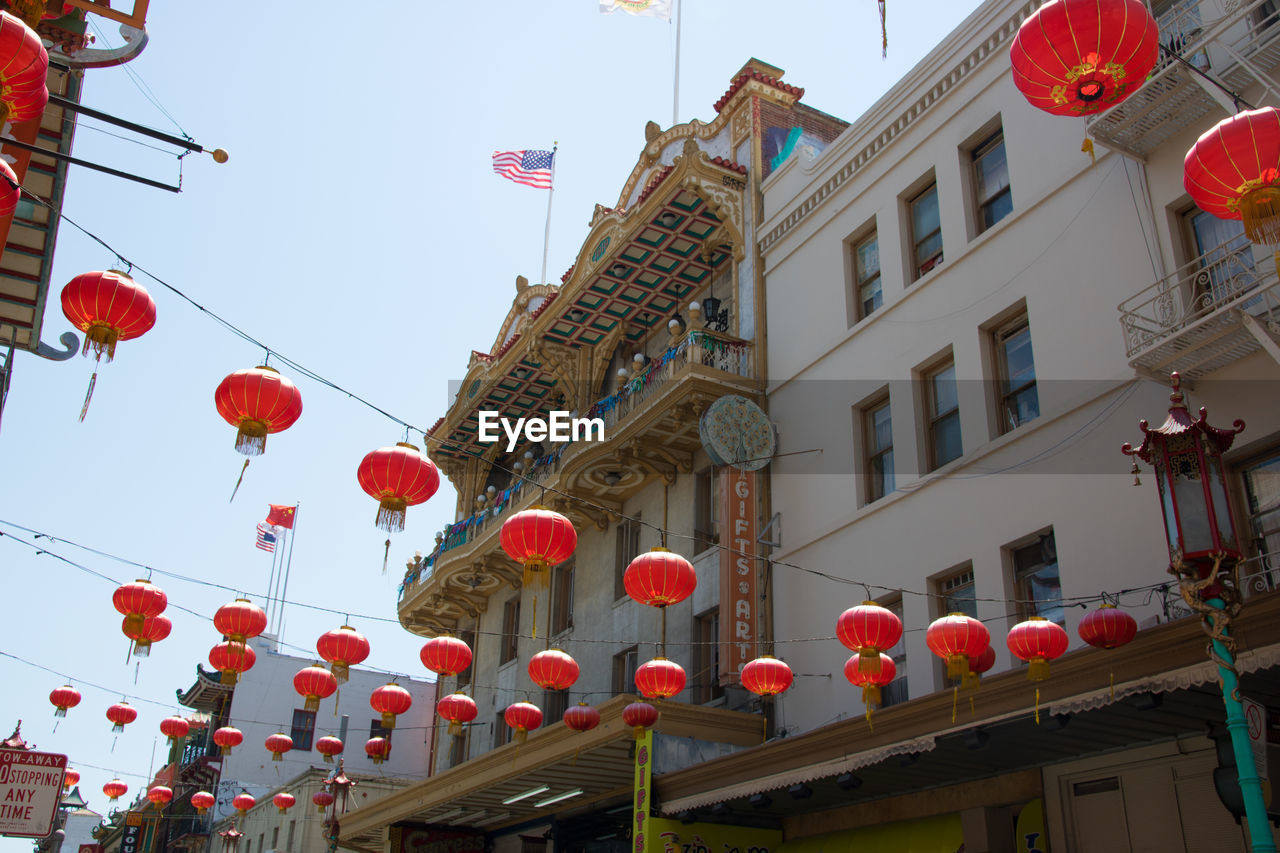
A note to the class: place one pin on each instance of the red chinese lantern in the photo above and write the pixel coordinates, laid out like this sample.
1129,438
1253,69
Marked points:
284,801
397,477
553,669
121,714
640,716
160,795
239,621
115,789
446,655
1233,172
278,744
766,676
228,737
956,638
538,539
243,802
659,578
323,799
457,708
869,629
582,717
64,697
153,630
108,307
174,728
70,778
378,749
523,717
203,801
659,678
870,682
137,601
314,683
1108,627
257,401
232,659
10,190
342,648
1076,57
329,746
25,63
1037,641
390,700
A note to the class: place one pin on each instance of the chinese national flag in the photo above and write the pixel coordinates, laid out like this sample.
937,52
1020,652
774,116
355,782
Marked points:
280,515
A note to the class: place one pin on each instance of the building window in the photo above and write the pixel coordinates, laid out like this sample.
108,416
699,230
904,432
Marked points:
943,405
1016,370
501,731
562,598
956,593
878,440
926,231
626,548
468,637
275,837
458,746
706,530
866,273
303,729
706,679
624,670
991,181
510,640
1262,500
895,691
376,729
1035,578
554,704
1222,252
288,844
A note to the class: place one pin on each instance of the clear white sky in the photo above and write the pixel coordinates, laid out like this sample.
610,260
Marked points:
359,230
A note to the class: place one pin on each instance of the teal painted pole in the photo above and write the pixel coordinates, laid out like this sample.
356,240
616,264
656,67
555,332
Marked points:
1255,808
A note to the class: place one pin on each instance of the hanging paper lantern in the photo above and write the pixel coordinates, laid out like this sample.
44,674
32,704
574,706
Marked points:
278,744
1038,641
523,717
553,669
659,578
640,716
239,621
153,630
108,307
390,700
378,749
457,708
1233,172
538,539
343,649
228,737
1108,627
243,802
284,801
956,638
115,789
329,746
1076,57
766,676
869,629
977,666
70,778
232,659
160,795
323,799
870,682
26,64
203,801
582,717
121,714
659,678
174,728
446,655
64,697
137,601
397,477
314,683
257,401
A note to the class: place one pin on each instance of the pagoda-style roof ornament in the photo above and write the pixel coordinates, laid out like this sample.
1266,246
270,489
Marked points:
15,741
1179,422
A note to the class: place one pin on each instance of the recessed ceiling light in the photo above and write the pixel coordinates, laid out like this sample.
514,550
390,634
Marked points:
541,789
558,797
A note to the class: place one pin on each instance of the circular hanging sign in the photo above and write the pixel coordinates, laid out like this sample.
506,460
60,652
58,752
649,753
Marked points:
737,432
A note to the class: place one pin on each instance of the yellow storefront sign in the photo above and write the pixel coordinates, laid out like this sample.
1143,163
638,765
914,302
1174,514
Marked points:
672,836
942,834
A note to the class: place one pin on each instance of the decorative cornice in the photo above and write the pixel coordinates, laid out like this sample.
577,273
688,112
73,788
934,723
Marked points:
752,75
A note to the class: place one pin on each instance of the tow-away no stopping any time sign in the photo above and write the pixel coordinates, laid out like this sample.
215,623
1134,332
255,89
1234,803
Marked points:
30,789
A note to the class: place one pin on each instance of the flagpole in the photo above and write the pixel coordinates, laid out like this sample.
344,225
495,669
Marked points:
287,566
675,99
546,237
274,589
271,578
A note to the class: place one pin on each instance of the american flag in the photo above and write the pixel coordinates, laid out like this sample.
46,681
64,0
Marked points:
531,168
266,537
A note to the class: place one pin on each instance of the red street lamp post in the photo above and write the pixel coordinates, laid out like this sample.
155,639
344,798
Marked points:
1186,454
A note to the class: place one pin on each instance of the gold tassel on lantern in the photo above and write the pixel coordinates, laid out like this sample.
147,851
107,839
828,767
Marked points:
391,513
251,437
29,11
869,661
871,699
1260,210
957,666
1037,669
455,728
102,338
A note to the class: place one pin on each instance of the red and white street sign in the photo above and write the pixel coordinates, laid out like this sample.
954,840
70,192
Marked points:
30,790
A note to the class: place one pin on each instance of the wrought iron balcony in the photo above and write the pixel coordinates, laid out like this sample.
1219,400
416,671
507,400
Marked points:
1217,309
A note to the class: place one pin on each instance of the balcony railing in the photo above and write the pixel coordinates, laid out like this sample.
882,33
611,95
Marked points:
1187,321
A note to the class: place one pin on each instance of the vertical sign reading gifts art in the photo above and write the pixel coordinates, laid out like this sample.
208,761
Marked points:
643,781
738,599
